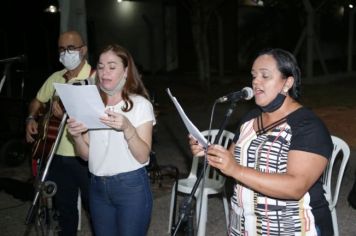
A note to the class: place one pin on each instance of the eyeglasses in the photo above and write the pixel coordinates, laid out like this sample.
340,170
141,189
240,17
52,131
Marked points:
69,49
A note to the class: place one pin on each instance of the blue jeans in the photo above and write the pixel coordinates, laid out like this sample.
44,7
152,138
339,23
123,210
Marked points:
121,204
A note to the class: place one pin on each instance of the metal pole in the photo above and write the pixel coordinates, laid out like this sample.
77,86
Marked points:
40,185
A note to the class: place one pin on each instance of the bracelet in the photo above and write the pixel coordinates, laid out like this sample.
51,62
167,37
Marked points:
134,134
30,117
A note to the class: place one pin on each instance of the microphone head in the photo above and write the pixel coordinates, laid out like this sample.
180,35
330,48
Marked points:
245,94
248,93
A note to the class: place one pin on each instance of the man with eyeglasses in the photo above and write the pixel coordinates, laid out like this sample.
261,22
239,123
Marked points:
69,172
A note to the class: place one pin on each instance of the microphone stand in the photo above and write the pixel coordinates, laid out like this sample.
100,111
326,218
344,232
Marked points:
185,208
41,186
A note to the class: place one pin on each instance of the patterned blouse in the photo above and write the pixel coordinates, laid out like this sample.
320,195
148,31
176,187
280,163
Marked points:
267,151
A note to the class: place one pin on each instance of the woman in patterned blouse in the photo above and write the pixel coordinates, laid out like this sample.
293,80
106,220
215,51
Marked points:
277,158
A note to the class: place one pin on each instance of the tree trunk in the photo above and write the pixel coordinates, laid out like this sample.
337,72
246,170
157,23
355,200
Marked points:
200,12
199,29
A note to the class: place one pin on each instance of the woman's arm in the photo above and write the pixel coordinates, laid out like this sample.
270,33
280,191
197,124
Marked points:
139,141
82,146
80,137
303,170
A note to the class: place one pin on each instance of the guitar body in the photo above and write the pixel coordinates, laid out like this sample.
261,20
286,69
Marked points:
48,127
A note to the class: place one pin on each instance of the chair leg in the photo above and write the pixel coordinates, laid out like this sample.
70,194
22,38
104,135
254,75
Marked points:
171,208
226,209
197,206
203,215
334,219
79,212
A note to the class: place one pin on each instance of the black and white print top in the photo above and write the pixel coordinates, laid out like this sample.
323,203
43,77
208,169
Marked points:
267,151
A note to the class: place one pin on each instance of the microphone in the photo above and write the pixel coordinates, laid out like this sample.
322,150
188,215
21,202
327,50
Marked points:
20,58
245,94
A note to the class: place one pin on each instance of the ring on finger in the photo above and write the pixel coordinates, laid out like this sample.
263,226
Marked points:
220,160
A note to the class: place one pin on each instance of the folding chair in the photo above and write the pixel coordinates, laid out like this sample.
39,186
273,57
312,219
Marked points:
214,184
341,147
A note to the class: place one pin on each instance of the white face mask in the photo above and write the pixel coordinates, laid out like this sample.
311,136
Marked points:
70,60
120,85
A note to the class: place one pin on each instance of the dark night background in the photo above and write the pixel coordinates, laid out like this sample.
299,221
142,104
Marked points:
235,31
160,34
26,29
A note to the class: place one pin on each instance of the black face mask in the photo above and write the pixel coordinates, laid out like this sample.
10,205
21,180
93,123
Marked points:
275,104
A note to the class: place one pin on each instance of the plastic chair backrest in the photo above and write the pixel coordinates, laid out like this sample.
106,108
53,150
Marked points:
225,140
339,146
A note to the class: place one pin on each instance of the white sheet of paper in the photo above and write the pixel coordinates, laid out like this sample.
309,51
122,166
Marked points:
83,103
188,124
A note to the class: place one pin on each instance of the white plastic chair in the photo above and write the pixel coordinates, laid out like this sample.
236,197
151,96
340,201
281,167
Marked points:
332,196
214,184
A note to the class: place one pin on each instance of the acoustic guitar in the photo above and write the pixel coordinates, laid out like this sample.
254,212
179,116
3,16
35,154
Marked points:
48,127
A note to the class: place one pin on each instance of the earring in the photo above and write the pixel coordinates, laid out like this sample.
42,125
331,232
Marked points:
285,89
